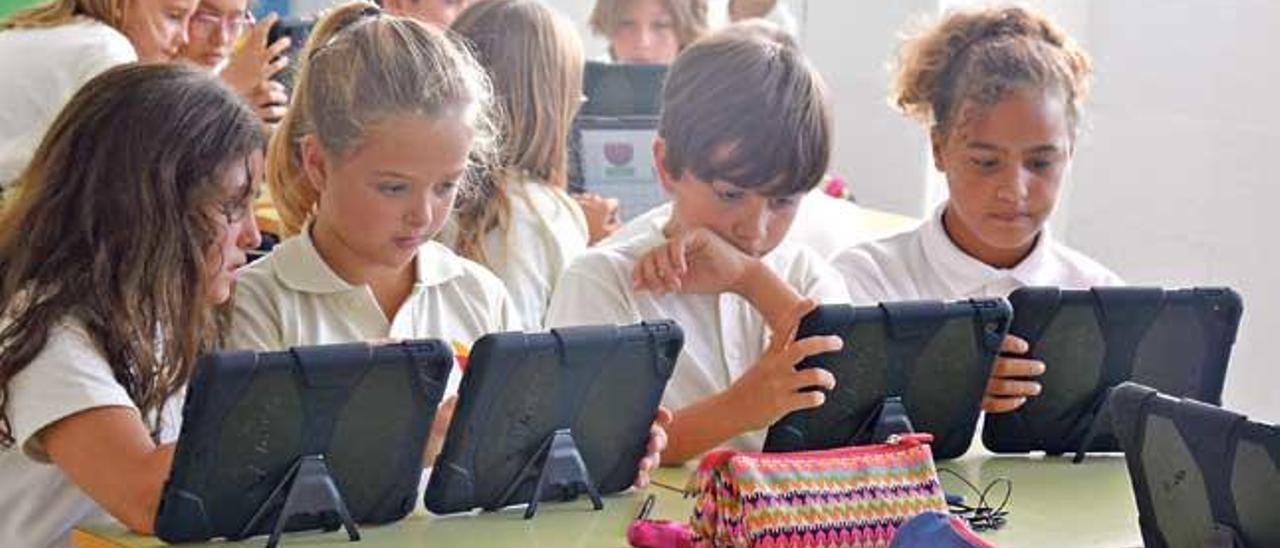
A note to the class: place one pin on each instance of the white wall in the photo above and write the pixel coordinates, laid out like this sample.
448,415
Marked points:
1173,186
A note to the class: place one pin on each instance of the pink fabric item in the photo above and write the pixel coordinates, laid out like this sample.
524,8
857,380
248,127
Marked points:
659,533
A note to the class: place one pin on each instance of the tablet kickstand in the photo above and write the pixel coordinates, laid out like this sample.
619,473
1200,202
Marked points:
1097,410
306,489
558,464
890,419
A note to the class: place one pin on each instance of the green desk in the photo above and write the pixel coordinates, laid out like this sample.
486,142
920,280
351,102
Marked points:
1055,503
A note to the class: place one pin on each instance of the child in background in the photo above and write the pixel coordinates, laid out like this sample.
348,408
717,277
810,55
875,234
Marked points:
719,266
49,50
517,219
1001,91
388,118
648,31
217,40
118,253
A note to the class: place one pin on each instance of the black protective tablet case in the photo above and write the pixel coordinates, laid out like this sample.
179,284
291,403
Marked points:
1176,341
249,416
935,356
622,89
1202,476
603,383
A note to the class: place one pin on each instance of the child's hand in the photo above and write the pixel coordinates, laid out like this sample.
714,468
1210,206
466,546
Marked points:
696,261
254,61
772,387
601,213
269,100
439,428
1008,387
657,443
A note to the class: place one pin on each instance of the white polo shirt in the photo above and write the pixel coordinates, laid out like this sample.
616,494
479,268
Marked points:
43,68
547,231
925,264
39,504
291,297
823,223
723,334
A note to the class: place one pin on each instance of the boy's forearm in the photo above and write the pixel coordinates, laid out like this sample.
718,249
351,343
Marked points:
700,427
772,296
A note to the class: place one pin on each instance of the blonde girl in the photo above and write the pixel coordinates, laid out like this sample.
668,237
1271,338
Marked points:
388,118
48,51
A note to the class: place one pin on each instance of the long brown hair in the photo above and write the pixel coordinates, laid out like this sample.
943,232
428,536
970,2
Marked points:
61,12
359,66
976,58
535,60
111,227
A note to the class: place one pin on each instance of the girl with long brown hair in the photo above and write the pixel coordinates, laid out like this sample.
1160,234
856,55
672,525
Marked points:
116,254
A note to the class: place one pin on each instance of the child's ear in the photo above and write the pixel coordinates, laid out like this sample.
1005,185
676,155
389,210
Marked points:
313,162
936,142
660,165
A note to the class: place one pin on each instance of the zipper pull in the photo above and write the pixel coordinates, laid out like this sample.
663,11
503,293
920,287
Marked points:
909,440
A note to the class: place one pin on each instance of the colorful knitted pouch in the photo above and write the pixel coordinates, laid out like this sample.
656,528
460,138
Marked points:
851,496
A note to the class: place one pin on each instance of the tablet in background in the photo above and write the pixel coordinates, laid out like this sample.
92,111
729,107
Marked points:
1177,341
603,383
613,157
934,356
1201,476
249,417
622,89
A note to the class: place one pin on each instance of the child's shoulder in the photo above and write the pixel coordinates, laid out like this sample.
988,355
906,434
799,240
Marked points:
438,265
1075,269
875,254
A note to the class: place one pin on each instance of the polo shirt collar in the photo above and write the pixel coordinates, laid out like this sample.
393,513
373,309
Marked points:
300,267
965,275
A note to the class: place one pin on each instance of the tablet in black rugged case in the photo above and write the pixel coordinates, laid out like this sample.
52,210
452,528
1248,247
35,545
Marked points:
1176,341
1202,476
603,383
249,416
935,356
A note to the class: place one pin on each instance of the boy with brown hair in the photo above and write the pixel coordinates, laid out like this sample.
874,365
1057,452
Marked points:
745,132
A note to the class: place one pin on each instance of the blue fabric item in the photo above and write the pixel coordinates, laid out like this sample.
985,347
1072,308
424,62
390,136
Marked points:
936,530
